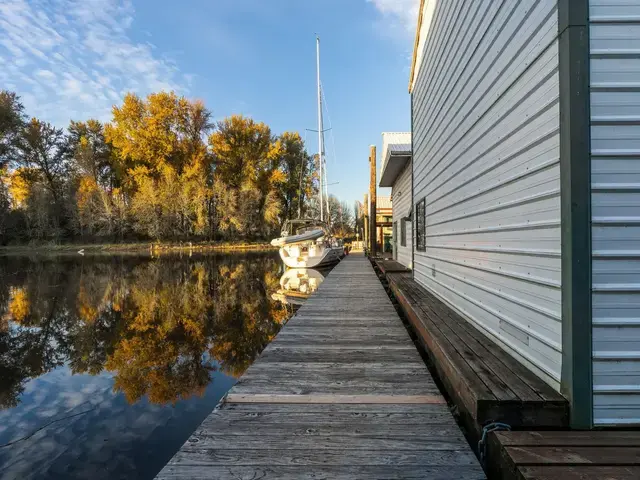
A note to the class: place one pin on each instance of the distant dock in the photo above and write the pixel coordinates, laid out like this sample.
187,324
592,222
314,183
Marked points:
341,393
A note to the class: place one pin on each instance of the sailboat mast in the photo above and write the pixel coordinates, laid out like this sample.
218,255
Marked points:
320,128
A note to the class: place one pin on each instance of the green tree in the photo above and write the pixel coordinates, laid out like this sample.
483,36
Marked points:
5,202
248,177
44,150
42,158
94,211
12,120
297,167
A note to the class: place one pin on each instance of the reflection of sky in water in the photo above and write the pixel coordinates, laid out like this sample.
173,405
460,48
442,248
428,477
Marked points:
113,439
153,330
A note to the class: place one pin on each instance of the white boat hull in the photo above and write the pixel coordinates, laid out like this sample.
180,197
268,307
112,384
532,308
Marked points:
294,257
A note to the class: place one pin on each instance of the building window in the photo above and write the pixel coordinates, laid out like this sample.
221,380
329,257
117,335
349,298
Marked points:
403,232
421,234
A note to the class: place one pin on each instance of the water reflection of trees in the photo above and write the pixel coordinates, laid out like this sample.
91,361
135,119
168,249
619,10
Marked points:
160,326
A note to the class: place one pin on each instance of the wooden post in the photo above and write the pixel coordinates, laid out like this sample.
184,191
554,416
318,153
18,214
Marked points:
372,196
365,223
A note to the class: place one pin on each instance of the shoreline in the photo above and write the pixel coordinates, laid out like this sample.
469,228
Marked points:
137,247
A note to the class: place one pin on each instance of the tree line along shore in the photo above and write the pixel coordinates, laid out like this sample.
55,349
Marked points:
159,171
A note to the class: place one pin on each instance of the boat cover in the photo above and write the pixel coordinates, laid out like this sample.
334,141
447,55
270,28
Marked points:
302,237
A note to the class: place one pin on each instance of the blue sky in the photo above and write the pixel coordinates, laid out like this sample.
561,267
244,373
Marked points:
73,59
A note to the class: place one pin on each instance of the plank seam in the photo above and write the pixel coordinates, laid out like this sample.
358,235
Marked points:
335,399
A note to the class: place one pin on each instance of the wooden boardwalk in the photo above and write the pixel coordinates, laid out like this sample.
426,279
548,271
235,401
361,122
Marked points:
341,393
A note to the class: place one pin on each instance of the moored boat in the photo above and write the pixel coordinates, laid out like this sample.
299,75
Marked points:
307,243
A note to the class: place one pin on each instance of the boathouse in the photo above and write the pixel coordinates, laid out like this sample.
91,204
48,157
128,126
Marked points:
526,187
396,173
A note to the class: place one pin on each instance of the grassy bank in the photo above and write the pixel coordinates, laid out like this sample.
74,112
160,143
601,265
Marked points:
155,247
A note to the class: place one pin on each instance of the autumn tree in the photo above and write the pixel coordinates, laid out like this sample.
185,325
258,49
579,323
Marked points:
159,142
159,169
248,177
96,181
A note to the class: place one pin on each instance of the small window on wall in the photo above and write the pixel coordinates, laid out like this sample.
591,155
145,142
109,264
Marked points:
403,232
421,234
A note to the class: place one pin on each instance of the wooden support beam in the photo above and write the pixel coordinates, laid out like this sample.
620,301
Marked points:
365,225
575,209
372,196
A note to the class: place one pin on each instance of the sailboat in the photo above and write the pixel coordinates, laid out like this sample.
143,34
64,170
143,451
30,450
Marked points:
308,243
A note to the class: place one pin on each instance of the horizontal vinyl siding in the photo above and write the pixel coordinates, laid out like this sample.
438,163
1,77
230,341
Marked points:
615,204
401,200
486,159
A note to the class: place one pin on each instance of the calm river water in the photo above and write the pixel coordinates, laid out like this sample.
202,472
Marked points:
109,363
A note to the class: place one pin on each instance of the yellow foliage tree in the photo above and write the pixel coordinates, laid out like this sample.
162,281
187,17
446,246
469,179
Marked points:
160,143
160,168
20,181
248,175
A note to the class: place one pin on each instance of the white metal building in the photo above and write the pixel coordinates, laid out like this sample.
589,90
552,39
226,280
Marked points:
526,186
396,173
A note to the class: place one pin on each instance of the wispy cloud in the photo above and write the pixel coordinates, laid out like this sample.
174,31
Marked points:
73,59
400,16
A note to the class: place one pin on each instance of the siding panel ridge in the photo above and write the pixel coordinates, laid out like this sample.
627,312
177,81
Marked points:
471,66
496,73
500,161
544,195
542,87
435,103
442,21
515,178
482,135
515,251
503,273
501,228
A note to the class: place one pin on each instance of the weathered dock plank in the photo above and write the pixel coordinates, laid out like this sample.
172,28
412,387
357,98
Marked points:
565,455
341,393
320,472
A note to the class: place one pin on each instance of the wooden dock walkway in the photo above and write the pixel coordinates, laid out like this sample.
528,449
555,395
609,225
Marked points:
341,393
